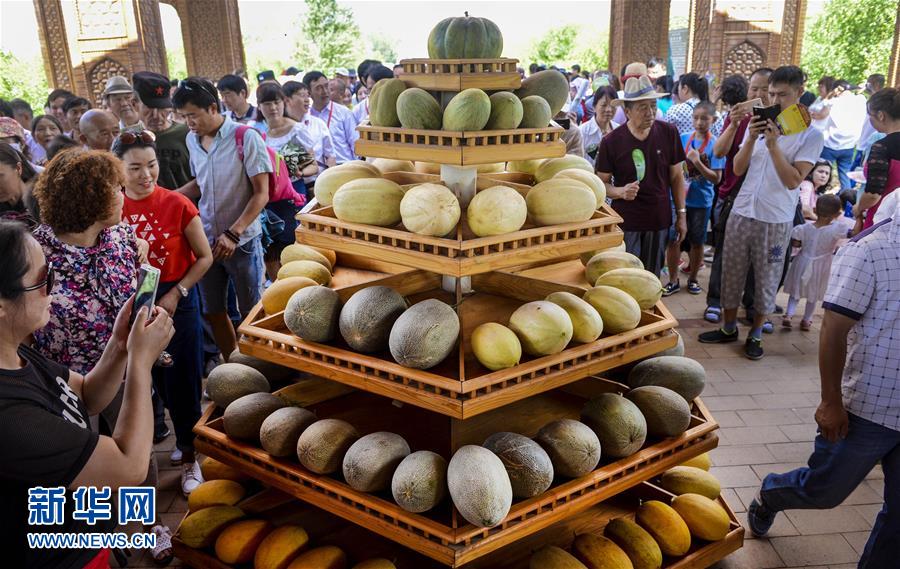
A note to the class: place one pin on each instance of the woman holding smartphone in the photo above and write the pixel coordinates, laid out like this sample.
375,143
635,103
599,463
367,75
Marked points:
45,407
180,251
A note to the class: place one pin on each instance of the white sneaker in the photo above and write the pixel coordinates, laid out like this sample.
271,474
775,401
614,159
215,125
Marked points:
176,457
191,477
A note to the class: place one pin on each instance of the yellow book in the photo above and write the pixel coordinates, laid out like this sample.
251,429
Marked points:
793,120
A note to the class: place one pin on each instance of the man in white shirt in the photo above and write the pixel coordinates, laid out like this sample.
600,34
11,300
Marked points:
374,74
338,118
317,136
757,233
846,113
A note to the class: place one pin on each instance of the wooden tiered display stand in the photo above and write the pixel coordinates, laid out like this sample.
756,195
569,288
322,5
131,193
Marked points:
460,402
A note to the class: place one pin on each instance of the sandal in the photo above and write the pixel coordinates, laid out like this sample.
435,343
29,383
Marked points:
162,554
713,314
786,323
806,325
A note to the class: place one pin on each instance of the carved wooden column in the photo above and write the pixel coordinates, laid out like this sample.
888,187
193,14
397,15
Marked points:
212,36
85,42
893,78
638,31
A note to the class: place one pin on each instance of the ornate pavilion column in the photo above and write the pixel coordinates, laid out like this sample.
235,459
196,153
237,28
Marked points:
211,29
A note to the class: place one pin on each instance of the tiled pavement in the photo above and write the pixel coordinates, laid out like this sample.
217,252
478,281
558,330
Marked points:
765,411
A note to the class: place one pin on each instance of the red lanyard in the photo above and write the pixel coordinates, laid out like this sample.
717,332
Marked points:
702,148
330,112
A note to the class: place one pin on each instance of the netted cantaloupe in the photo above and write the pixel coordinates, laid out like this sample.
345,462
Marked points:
536,113
690,480
598,552
666,526
682,375
641,548
299,252
479,486
563,200
200,529
617,422
312,313
281,546
543,328
588,178
606,261
666,412
309,269
550,168
586,322
496,210
281,430
704,517
383,102
420,481
573,447
506,111
424,335
552,557
549,84
642,285
496,346
215,493
227,382
469,110
619,311
527,464
325,557
331,179
418,110
238,542
276,297
322,445
369,201
273,372
244,416
367,317
370,462
430,209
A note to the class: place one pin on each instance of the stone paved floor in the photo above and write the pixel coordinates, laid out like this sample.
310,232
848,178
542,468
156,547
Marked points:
765,411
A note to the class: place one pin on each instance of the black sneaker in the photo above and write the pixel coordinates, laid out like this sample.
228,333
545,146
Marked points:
160,437
759,518
753,348
718,336
671,288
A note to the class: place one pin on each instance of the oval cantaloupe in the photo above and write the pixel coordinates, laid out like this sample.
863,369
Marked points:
666,526
550,168
430,209
271,371
244,416
276,297
691,480
479,486
278,548
666,412
598,552
280,431
558,201
641,548
385,165
591,180
588,255
506,111
496,210
370,462
299,252
212,469
702,461
705,518
322,446
325,557
676,350
606,261
617,422
469,110
367,317
552,557
549,84
308,269
230,381
420,481
312,313
238,542
215,493
586,322
372,201
424,335
543,328
642,285
331,180
620,312
535,114
418,110
496,346
200,529
682,375
573,447
527,464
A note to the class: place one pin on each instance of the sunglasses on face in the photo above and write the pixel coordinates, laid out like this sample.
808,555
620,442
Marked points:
47,283
130,137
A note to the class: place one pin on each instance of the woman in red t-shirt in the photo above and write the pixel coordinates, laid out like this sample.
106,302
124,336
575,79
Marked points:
180,250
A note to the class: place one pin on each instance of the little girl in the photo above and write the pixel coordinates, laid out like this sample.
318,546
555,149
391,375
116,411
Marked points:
815,184
808,275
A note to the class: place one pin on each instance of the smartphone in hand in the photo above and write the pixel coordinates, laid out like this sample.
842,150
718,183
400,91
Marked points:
767,113
147,283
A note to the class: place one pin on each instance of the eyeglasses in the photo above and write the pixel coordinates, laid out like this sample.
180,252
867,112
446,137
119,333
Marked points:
47,283
130,137
192,85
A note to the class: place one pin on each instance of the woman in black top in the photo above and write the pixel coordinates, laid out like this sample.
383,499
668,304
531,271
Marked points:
46,437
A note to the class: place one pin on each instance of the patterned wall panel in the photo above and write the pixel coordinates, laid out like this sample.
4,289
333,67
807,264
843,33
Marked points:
54,47
743,58
100,73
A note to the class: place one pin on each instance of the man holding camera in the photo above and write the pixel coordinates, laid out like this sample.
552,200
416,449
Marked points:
758,231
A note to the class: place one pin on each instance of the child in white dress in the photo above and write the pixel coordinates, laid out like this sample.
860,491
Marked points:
808,275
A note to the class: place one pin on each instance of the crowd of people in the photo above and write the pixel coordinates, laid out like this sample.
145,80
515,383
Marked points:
203,180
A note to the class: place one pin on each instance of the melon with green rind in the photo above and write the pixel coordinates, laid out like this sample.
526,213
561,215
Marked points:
506,111
606,261
369,201
549,84
527,464
667,413
495,211
690,480
682,375
244,416
641,284
418,110
586,322
308,269
420,481
543,328
279,293
676,350
230,381
383,102
430,209
618,423
553,166
322,446
368,316
535,113
312,313
573,447
620,312
424,335
559,201
479,486
370,462
331,180
465,38
279,433
591,180
469,110
496,346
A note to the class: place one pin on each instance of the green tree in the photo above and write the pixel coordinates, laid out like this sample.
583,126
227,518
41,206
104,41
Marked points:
381,48
850,39
175,59
555,46
24,80
330,37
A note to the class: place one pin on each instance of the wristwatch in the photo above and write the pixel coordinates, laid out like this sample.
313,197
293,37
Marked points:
681,210
183,291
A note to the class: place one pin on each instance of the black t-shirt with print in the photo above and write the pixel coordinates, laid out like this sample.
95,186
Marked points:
45,440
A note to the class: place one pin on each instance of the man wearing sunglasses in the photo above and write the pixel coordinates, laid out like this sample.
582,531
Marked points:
232,193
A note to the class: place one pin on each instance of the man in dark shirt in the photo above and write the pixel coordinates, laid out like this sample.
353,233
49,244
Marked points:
171,148
641,164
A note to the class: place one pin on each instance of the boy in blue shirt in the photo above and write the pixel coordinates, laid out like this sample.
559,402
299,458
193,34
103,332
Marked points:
702,171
